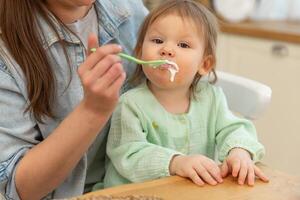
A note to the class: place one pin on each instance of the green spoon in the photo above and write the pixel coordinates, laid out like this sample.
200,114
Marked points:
152,63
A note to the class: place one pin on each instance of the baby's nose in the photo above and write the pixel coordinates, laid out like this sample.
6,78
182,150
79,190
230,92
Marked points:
167,52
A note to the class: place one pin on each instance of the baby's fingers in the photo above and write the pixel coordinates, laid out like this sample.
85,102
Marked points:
260,174
251,176
214,170
203,173
224,169
243,173
236,166
196,178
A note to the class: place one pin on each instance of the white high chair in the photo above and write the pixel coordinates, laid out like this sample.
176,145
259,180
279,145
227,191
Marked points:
244,96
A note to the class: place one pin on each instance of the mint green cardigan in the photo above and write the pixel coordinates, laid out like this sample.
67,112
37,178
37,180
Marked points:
144,136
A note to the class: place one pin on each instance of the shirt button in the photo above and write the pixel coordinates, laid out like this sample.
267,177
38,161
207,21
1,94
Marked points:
182,120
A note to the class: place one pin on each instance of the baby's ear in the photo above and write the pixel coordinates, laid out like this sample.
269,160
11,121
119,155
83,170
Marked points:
206,65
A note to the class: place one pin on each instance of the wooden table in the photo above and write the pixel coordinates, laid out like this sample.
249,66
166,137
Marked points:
280,187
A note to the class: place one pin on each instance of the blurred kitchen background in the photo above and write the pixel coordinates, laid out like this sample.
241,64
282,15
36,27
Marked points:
260,40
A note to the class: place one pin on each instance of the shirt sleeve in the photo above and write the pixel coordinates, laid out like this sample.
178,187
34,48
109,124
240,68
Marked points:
128,148
232,131
17,132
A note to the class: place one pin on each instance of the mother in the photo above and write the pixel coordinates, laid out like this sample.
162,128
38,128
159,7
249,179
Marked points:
55,100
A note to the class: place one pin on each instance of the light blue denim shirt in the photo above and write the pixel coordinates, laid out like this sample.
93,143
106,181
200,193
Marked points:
119,21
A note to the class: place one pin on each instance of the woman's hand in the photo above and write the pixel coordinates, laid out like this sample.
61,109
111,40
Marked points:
240,165
102,76
198,168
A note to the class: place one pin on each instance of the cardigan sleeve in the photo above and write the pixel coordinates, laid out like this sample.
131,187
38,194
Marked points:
232,131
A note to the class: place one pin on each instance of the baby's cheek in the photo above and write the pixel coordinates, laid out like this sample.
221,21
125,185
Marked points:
185,76
179,78
156,75
181,74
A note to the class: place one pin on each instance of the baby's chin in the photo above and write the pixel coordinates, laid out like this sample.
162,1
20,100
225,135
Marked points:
164,84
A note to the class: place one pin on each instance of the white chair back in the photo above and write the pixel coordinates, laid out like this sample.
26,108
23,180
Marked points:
245,96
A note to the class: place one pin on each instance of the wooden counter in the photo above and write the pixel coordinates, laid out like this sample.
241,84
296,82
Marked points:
280,187
274,30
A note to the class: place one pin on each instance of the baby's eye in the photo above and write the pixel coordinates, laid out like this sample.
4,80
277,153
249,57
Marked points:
183,45
157,41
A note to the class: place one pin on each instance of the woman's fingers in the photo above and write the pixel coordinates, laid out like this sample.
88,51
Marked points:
92,43
109,77
117,84
97,56
102,76
100,70
105,64
260,174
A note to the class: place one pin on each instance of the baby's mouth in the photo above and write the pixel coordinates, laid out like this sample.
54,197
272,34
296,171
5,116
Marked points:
170,66
165,66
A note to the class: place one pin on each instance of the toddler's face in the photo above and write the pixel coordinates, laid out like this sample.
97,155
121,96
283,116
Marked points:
172,38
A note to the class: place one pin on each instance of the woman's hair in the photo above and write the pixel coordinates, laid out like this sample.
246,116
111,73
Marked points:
201,16
22,36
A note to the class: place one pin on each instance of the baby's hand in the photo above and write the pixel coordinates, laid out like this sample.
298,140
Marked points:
196,167
240,165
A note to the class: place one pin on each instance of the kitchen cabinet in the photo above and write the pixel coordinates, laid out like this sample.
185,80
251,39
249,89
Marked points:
276,64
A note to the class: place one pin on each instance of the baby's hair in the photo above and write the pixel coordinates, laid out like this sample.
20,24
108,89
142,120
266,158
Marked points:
199,14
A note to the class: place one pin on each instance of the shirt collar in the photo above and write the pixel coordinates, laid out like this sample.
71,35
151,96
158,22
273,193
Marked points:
110,17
